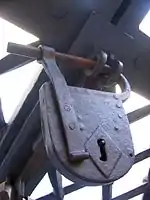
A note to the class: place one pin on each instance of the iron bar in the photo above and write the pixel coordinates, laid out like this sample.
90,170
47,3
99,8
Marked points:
27,135
107,192
132,193
21,116
56,181
138,114
142,155
33,52
11,62
120,11
67,190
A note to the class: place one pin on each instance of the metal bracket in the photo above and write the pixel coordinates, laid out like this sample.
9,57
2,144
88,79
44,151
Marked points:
76,148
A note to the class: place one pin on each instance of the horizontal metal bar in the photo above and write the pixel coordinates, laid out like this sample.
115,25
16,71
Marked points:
24,50
132,193
36,53
11,62
138,114
141,156
67,190
71,188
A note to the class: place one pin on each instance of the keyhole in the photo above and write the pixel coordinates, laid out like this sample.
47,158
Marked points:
101,143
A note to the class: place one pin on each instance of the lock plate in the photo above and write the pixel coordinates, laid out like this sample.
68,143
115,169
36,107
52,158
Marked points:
112,152
100,116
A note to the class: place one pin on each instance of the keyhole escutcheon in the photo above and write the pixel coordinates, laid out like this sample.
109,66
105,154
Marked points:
102,145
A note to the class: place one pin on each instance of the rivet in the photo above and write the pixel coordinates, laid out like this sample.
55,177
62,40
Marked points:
116,96
82,127
116,128
118,105
72,126
67,107
94,12
79,117
130,152
120,116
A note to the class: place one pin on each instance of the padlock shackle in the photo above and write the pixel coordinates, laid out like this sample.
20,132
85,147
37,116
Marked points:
125,87
36,53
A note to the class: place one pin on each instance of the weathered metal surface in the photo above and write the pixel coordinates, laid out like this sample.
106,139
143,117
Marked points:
55,18
36,167
133,193
56,181
35,53
107,192
16,125
146,195
131,20
147,150
138,114
67,190
7,192
120,11
50,118
111,39
88,126
76,149
142,156
14,161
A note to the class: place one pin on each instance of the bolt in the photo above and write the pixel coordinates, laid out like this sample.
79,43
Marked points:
72,126
120,116
67,107
82,127
79,117
116,128
118,105
116,96
94,12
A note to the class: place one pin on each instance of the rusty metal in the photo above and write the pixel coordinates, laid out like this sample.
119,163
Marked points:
76,149
107,38
104,168
34,52
71,104
97,123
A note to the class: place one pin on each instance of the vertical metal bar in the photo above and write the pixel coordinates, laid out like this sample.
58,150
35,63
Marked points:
56,181
107,192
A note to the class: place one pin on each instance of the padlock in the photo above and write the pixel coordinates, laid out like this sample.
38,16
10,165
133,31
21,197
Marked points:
86,132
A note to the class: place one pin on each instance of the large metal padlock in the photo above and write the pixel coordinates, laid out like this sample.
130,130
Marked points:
86,132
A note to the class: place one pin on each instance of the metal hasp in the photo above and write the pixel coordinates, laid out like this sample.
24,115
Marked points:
76,149
86,132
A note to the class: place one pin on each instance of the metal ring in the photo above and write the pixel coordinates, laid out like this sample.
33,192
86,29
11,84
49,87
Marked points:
126,89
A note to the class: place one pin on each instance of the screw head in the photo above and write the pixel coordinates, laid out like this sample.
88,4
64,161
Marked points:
72,126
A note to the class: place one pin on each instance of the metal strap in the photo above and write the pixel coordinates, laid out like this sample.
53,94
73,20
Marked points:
70,123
